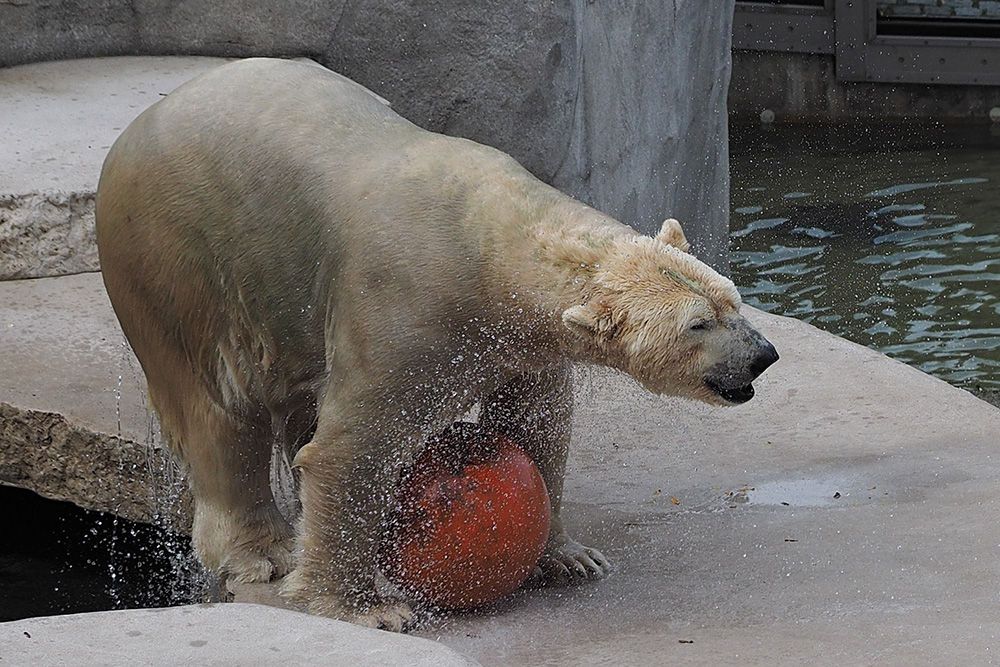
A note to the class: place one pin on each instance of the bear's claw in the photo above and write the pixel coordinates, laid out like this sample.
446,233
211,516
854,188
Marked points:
370,610
569,563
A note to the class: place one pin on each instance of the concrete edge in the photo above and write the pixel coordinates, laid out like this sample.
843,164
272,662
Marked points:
213,634
46,453
44,234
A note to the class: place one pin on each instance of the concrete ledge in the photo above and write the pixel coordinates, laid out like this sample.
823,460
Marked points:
73,419
224,634
47,454
47,234
58,121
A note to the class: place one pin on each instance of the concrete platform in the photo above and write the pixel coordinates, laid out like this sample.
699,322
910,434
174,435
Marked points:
847,515
58,119
212,634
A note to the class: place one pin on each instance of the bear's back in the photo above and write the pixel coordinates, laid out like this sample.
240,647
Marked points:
245,164
277,105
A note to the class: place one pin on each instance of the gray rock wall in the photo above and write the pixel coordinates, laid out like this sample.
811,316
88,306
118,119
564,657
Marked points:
649,132
623,105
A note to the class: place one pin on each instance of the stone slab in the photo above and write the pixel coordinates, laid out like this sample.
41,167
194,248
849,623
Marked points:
58,119
211,635
47,234
73,418
62,351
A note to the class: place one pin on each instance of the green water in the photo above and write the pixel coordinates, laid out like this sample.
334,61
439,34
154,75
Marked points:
887,236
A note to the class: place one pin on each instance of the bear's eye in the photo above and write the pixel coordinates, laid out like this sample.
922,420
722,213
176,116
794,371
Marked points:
701,325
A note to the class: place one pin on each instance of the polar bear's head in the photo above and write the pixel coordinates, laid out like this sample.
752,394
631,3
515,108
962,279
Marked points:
670,321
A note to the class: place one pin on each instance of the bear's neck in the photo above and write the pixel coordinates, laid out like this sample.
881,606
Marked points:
549,267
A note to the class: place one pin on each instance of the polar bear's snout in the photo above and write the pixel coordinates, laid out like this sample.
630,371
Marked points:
732,378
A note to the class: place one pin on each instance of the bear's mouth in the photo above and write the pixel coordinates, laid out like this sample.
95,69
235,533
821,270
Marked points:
734,395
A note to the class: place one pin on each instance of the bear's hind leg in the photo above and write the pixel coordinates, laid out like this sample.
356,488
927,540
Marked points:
238,531
535,411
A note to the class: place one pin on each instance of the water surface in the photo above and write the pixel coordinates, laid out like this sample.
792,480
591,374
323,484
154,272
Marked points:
888,236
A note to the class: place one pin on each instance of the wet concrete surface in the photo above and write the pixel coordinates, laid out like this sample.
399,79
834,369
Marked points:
60,118
845,516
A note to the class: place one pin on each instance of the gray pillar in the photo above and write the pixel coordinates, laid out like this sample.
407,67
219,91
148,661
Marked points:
649,131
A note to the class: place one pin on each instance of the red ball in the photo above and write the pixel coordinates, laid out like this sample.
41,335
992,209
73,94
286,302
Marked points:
473,520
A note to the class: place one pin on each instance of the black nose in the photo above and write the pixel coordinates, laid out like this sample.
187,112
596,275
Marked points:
766,356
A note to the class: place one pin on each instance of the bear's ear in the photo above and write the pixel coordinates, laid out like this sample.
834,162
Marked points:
591,321
672,234
580,320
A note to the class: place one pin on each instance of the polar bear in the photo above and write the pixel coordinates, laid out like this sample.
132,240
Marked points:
294,263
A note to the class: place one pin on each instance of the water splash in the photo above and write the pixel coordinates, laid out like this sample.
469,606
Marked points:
163,546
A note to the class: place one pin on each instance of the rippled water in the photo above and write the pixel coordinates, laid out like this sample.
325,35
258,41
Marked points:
887,236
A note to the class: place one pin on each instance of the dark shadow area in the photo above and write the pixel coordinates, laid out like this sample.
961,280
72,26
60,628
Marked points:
839,138
56,558
921,26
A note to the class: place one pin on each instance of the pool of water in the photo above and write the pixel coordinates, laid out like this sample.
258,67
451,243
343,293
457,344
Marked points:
888,236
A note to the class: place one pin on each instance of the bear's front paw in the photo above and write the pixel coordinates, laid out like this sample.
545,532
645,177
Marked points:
566,561
245,547
391,615
258,563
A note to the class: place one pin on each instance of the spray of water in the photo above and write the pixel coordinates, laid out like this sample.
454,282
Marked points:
165,548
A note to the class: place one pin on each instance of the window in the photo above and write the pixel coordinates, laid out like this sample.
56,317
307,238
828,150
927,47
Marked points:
892,41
